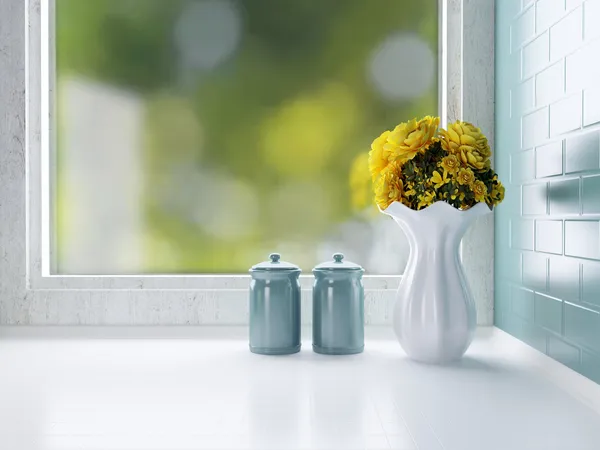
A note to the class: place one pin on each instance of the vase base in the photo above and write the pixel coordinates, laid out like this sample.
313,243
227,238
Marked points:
430,362
435,361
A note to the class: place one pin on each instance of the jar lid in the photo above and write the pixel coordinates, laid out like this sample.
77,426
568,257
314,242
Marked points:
338,264
275,263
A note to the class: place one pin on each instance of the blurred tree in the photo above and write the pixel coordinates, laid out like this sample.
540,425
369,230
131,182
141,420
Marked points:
292,104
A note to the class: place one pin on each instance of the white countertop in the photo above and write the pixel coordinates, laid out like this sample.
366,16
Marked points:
97,388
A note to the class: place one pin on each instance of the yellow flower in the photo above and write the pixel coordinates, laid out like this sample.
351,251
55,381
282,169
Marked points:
409,189
468,143
465,177
439,180
410,138
455,193
361,186
426,199
389,186
480,191
378,157
497,194
450,164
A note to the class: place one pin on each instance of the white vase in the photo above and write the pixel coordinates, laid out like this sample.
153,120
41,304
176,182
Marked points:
434,315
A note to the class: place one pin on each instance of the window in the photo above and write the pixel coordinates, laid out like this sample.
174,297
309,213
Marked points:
46,174
198,136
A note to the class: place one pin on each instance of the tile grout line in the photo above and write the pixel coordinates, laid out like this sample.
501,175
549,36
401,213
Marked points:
406,425
432,430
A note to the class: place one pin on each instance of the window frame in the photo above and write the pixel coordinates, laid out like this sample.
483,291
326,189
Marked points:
31,295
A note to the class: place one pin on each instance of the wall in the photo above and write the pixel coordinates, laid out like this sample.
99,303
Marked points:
477,107
27,298
547,231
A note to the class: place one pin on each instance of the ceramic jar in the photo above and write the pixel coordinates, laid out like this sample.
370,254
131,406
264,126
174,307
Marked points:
275,307
338,307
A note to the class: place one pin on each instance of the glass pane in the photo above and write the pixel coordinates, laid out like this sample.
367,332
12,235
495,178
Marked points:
198,136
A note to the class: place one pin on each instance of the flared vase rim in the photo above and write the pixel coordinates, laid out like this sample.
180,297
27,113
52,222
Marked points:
397,207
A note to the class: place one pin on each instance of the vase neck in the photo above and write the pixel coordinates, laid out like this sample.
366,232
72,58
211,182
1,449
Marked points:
434,233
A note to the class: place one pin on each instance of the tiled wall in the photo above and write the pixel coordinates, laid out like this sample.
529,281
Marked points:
547,148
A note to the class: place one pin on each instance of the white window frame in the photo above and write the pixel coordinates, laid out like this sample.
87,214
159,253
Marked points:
29,294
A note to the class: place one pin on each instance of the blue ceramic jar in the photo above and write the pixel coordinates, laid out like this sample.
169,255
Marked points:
338,308
275,307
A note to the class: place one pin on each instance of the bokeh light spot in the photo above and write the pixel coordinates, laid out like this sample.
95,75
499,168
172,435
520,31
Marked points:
402,67
208,33
303,136
226,207
300,208
173,126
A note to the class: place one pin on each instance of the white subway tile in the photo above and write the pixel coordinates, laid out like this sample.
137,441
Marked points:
590,199
590,286
582,152
522,97
591,106
548,236
521,234
523,29
547,13
534,199
513,71
534,128
583,67
563,197
550,84
526,3
513,7
565,115
566,36
572,3
582,239
591,19
548,160
536,55
512,139
523,166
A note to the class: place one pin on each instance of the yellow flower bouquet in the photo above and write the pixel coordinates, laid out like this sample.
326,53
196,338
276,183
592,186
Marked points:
419,163
447,175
